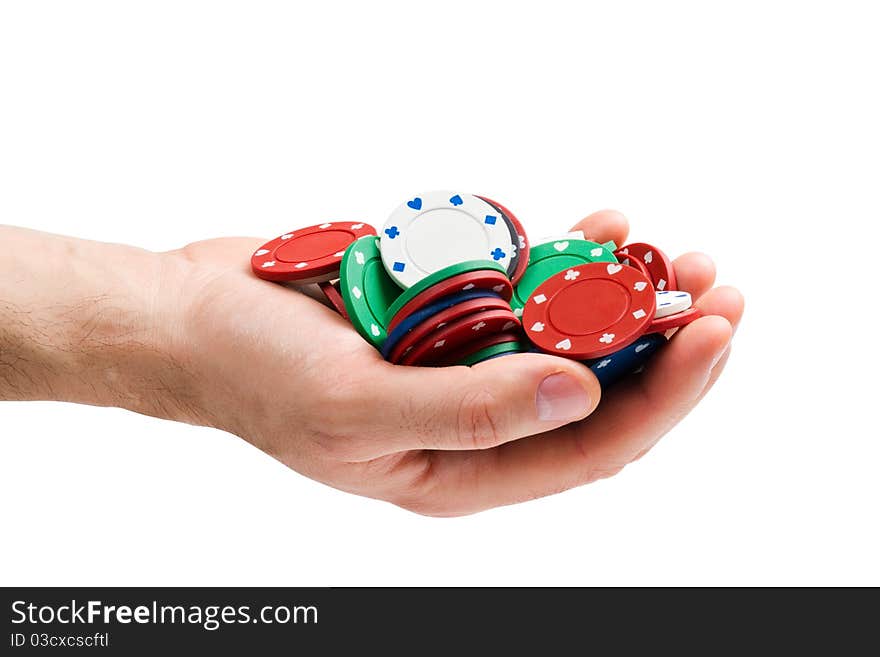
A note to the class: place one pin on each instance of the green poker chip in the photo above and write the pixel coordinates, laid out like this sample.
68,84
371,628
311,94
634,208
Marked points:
490,352
438,277
549,259
367,290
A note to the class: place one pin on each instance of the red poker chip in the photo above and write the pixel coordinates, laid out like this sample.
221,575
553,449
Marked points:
310,254
454,357
484,279
522,248
656,262
443,318
434,346
632,261
331,291
677,320
590,310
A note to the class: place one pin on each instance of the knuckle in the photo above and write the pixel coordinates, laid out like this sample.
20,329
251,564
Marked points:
481,420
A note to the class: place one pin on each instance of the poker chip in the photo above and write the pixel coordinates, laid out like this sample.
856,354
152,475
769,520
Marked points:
456,356
367,290
590,310
308,255
553,257
450,275
443,318
674,321
423,314
612,368
671,303
461,277
434,346
437,229
520,259
633,262
331,291
496,351
658,265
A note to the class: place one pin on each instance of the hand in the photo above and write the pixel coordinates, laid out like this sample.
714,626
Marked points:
289,375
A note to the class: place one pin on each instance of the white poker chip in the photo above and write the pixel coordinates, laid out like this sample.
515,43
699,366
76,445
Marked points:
672,302
438,229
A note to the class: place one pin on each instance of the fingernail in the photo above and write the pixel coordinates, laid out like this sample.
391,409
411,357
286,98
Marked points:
560,397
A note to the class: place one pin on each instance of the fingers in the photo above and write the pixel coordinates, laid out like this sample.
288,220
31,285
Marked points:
725,301
603,226
628,423
695,273
458,408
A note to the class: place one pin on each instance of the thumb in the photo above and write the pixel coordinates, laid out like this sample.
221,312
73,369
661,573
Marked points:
504,399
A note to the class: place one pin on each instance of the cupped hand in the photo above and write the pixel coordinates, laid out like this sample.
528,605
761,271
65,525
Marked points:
286,373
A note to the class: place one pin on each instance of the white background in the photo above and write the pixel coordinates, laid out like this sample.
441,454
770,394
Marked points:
750,132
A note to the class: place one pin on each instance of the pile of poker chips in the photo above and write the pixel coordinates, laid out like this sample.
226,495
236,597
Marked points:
453,280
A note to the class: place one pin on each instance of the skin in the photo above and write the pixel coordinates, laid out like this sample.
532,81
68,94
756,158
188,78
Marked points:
191,335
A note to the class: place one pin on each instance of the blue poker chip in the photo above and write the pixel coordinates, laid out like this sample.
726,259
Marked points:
423,314
614,367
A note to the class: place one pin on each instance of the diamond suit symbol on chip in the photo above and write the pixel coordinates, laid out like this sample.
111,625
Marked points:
398,266
359,257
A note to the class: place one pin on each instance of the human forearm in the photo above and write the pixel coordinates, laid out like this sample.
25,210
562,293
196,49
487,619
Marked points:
88,322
